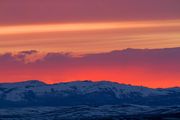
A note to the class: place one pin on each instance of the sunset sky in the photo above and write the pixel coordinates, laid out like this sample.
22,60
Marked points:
84,27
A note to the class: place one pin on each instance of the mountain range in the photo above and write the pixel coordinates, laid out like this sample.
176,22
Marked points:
36,93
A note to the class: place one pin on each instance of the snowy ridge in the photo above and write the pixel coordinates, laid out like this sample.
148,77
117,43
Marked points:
106,112
88,92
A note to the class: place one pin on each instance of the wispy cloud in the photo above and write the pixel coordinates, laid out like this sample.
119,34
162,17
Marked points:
90,37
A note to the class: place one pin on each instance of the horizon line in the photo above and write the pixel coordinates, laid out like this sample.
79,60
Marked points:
93,81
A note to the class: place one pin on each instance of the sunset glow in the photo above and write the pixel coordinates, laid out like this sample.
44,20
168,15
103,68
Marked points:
25,29
68,40
90,37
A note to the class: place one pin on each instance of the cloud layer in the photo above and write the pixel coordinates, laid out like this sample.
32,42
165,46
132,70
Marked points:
90,37
147,67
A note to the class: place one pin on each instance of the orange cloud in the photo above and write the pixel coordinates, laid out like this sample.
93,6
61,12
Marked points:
41,28
90,37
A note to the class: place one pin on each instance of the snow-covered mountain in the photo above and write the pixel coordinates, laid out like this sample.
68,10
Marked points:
106,112
37,93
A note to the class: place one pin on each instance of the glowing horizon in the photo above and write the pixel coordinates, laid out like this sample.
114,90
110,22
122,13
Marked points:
143,67
91,28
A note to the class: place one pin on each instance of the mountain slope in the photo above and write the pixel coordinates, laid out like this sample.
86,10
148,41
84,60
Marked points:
36,93
107,112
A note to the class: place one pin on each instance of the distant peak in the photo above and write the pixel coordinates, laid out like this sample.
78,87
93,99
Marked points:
32,82
83,81
90,82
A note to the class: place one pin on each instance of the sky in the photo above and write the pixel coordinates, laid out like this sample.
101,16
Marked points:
156,68
83,27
